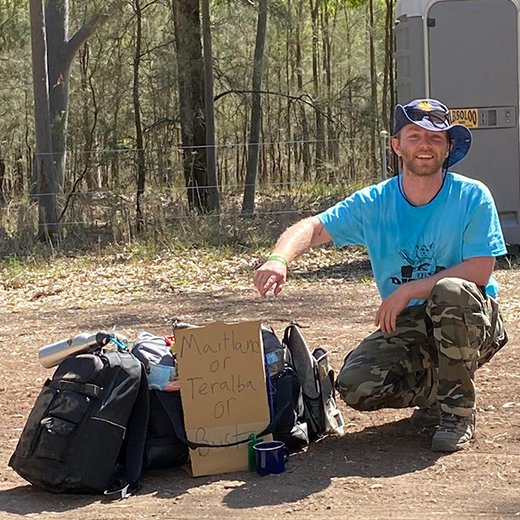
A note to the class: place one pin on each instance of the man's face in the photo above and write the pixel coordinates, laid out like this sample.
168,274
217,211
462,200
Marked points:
423,152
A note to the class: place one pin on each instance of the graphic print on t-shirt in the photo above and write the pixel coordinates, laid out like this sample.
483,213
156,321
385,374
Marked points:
420,264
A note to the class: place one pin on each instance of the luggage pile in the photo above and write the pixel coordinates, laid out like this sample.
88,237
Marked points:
109,411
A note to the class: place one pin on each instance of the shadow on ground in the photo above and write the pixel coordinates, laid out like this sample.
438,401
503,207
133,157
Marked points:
388,450
24,500
353,268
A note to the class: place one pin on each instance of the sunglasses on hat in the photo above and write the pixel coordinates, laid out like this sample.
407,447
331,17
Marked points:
439,118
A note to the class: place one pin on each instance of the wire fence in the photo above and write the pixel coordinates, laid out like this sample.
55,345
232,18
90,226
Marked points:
106,218
98,199
203,146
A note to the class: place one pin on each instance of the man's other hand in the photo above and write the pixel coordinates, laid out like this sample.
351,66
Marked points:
271,275
392,306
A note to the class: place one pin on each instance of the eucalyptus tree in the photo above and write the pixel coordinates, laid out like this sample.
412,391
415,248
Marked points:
136,96
315,9
190,69
373,84
307,162
53,52
213,188
256,111
45,167
61,50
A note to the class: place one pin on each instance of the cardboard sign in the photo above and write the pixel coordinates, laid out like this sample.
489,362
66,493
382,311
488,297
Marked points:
223,392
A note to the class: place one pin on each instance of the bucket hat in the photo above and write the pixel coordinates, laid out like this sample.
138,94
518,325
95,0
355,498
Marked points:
432,115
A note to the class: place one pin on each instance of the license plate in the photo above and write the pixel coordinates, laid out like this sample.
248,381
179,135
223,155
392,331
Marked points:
465,116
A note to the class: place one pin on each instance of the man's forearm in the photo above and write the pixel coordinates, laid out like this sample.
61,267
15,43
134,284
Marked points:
300,237
477,270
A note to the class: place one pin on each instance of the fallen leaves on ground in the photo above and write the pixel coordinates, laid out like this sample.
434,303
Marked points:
91,280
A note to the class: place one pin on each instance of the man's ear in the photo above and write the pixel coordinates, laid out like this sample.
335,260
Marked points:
396,146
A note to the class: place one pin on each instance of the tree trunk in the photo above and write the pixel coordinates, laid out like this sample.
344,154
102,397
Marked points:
25,162
139,141
299,78
56,20
332,141
190,66
115,181
2,176
391,67
248,205
44,164
320,128
289,78
388,98
60,54
213,189
373,90
87,130
351,128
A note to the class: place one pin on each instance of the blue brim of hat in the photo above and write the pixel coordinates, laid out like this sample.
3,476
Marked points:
461,139
459,135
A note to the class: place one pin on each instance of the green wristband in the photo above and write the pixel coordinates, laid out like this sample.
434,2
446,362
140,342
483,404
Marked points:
279,258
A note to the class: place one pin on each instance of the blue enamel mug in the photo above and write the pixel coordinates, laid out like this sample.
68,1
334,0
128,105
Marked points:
270,457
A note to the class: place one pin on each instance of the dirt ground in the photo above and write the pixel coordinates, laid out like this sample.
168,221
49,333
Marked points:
381,468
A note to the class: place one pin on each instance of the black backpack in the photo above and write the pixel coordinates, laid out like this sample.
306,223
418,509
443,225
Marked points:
165,440
284,391
86,431
316,377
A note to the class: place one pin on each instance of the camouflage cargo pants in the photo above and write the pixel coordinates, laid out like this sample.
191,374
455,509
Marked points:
431,356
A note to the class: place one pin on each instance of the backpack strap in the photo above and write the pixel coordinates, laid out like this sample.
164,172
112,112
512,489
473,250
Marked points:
89,389
303,361
137,428
175,414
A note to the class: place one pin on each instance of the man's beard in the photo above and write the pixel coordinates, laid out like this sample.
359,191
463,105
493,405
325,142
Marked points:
422,168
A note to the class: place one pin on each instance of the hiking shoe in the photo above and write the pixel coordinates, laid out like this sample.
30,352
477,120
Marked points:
454,432
426,417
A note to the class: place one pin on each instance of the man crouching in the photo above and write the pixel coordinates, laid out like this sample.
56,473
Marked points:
432,237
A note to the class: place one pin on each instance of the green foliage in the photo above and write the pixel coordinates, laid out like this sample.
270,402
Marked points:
279,12
14,24
367,279
355,3
101,121
14,267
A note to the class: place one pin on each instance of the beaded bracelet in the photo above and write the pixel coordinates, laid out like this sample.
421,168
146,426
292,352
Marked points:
279,258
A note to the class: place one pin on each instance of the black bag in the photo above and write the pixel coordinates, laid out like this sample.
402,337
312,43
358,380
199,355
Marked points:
300,390
164,448
291,429
284,390
86,431
316,378
165,445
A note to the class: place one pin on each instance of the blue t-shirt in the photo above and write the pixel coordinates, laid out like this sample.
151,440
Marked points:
408,242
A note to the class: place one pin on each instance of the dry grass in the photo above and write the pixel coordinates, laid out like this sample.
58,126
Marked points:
96,220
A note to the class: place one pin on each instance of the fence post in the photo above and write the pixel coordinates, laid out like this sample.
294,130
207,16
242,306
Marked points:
384,146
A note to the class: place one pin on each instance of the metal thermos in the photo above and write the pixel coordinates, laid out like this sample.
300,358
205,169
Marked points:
178,324
52,355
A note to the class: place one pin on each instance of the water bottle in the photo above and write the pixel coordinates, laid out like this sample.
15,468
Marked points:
52,355
179,324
